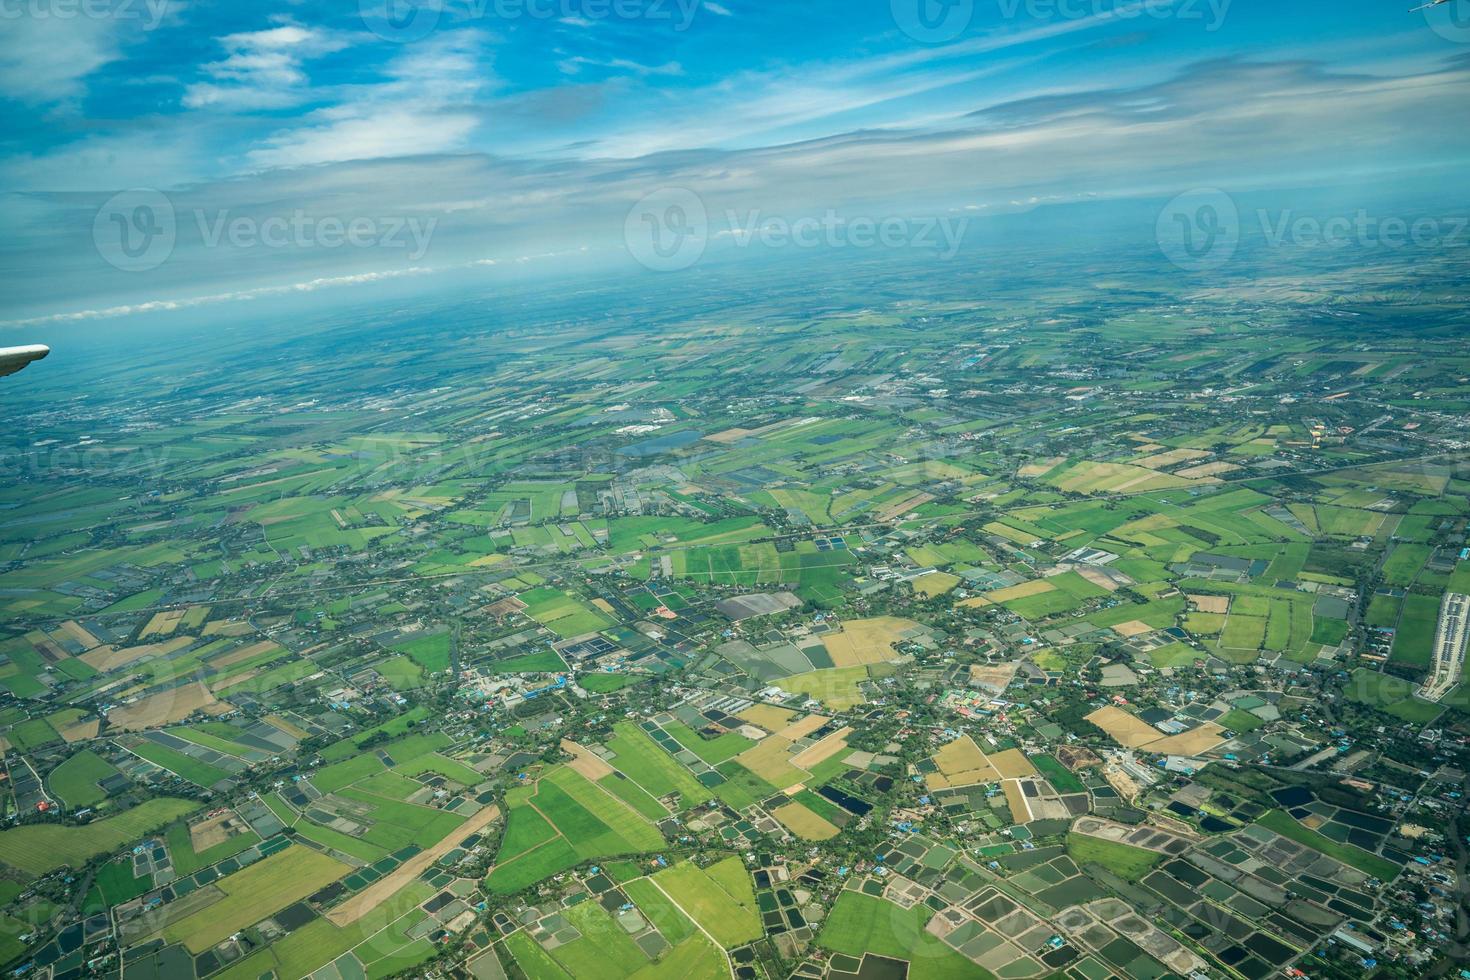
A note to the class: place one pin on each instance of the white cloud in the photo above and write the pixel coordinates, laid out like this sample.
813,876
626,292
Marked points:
1236,125
262,292
572,66
44,60
426,106
262,70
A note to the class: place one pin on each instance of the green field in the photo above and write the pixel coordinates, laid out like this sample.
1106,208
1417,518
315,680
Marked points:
641,760
186,860
75,781
1392,695
701,894
1414,642
429,652
113,885
254,893
199,773
564,820
1239,721
658,909
861,923
1057,774
1127,862
38,848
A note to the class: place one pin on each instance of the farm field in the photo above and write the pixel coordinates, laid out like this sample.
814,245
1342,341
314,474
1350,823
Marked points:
255,893
718,898
39,848
1057,617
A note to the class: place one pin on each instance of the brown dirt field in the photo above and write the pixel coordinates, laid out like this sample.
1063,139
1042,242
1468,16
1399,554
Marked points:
961,755
163,624
215,830
164,708
244,653
998,677
1210,603
867,641
974,602
384,888
220,683
1123,728
903,506
1201,739
80,732
802,727
961,763
1122,782
823,750
729,435
770,759
77,632
1016,800
228,627
1011,764
1206,469
584,762
767,716
1132,628
1098,577
1033,587
804,823
295,731
506,606
1039,468
1170,458
1076,758
107,659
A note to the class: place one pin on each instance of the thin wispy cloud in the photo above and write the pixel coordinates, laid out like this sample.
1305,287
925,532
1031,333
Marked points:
263,69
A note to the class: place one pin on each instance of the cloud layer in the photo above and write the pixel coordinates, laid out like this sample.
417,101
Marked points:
514,137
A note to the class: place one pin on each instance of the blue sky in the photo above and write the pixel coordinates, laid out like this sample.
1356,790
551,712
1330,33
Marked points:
522,131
